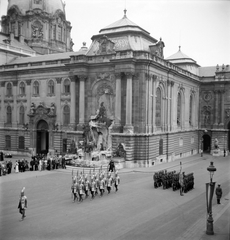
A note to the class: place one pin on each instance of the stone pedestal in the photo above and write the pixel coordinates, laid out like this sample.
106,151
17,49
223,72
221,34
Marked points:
216,152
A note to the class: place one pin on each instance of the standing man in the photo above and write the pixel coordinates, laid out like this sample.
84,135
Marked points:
22,205
218,193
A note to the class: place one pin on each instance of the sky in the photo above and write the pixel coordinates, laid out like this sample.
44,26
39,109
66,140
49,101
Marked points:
200,27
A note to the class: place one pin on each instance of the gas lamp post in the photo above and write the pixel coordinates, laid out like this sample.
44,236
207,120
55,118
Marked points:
209,195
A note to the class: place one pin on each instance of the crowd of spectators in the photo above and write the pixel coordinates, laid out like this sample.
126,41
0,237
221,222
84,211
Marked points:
37,163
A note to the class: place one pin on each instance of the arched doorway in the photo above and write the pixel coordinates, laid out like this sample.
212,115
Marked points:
42,137
207,143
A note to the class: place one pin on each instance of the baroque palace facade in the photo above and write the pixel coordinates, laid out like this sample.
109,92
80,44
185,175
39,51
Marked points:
161,109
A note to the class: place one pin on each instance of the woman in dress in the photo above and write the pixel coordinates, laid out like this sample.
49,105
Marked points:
16,167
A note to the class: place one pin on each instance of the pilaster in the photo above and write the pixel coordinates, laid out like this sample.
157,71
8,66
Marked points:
58,101
14,110
149,99
118,101
216,109
73,102
154,103
221,92
129,90
82,79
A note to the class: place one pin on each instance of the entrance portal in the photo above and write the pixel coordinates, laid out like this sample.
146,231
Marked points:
42,137
207,143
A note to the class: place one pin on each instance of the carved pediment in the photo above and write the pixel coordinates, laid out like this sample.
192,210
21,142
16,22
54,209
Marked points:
41,110
106,46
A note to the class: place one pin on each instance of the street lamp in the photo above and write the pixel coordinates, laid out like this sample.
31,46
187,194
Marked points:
209,196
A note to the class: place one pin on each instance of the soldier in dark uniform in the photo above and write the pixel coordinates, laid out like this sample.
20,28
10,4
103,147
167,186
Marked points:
218,194
111,166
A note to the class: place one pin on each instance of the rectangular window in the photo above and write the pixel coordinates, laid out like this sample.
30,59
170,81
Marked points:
8,142
21,142
64,147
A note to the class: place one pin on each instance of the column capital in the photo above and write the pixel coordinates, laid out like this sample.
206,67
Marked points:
58,79
129,74
117,74
28,82
15,83
82,77
72,78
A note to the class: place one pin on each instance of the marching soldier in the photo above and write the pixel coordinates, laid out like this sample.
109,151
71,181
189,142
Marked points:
96,184
117,181
74,190
22,205
86,186
109,183
93,187
81,188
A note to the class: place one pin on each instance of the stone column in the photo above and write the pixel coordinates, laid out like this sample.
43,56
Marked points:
129,92
2,107
58,102
154,103
82,79
222,108
28,97
14,109
150,93
168,104
73,102
216,108
171,105
118,100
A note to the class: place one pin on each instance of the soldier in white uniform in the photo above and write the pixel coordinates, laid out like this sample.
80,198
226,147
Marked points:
93,186
109,183
22,205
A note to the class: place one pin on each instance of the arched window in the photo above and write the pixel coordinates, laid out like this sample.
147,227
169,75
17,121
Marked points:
36,88
9,89
158,107
21,115
179,109
8,141
59,33
51,87
22,88
190,110
66,115
54,32
13,27
67,86
8,115
21,142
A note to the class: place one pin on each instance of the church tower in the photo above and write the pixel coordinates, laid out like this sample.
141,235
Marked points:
41,24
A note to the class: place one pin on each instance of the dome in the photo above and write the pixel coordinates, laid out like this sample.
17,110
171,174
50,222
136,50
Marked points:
49,6
123,24
180,57
182,60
